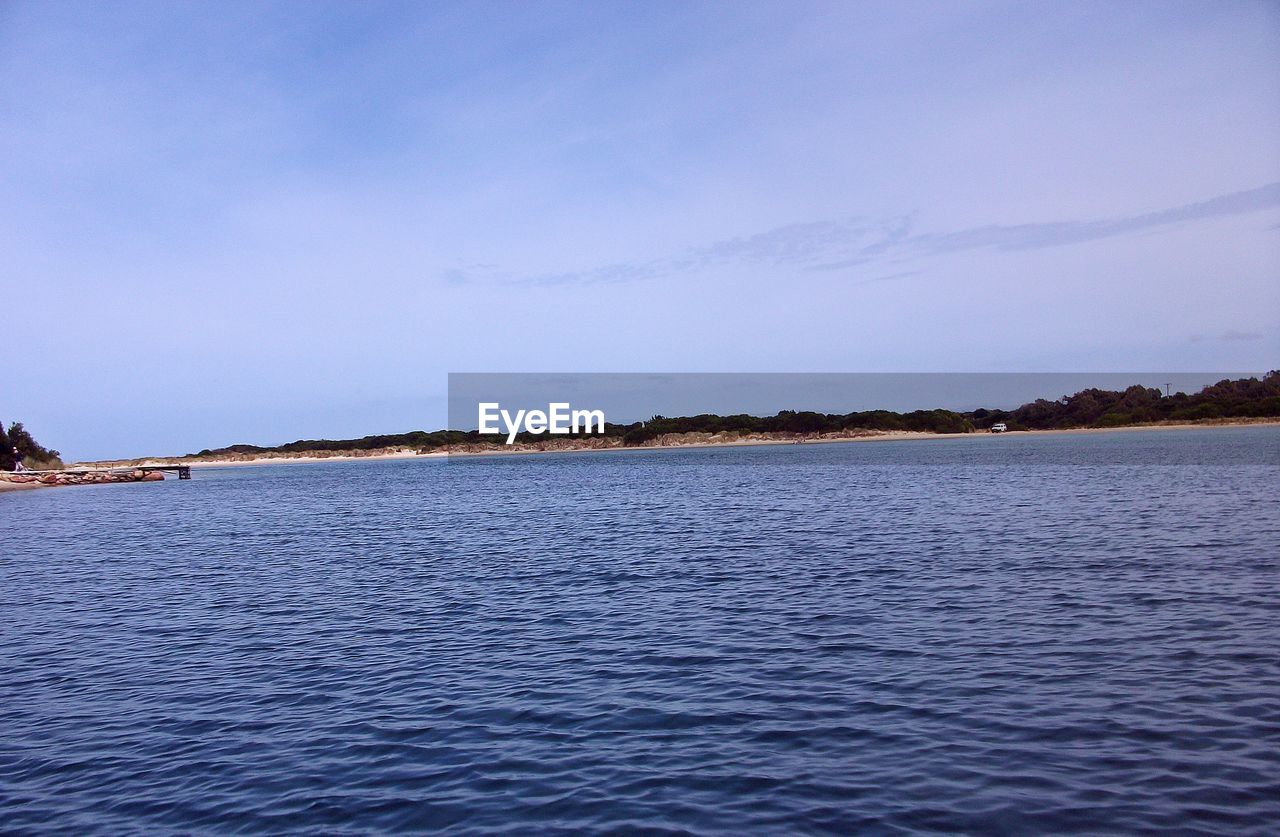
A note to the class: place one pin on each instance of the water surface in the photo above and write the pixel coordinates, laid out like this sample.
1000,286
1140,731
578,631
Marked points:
1067,633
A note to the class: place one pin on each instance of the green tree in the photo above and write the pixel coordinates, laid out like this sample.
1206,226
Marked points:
35,455
6,450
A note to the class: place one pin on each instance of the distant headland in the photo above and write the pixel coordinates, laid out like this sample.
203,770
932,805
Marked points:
1246,400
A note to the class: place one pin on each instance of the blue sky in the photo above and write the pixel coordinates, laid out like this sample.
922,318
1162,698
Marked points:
228,222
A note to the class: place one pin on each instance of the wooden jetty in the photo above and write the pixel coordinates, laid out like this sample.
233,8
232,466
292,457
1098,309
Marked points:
183,471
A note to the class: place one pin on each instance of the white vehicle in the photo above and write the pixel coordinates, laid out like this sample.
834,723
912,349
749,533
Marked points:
999,427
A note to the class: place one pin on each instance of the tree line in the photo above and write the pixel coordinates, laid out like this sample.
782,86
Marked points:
1227,399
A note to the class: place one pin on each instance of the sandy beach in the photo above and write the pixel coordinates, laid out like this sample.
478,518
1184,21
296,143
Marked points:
18,486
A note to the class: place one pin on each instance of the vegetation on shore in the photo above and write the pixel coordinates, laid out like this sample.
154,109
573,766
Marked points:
34,455
1246,398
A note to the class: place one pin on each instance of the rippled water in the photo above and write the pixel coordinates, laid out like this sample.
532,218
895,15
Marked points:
1014,634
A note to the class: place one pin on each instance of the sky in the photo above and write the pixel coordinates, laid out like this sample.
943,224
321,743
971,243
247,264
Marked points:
255,222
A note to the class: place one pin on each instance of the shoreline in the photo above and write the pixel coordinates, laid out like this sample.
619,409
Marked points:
705,442
63,477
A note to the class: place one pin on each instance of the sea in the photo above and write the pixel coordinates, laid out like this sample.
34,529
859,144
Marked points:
1027,633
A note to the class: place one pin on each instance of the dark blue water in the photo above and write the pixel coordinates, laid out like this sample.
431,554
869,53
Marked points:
1071,633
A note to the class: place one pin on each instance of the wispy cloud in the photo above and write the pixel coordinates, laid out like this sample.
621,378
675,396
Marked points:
1057,234
798,245
1229,336
846,245
889,278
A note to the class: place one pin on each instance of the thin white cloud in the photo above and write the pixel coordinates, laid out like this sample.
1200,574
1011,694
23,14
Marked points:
1228,336
846,245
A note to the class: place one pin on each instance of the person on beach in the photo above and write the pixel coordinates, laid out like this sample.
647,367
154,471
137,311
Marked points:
17,461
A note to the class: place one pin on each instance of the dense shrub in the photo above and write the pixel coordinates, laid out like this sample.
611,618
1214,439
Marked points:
35,456
1244,398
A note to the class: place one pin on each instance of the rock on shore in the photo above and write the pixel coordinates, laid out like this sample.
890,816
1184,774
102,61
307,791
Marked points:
43,478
